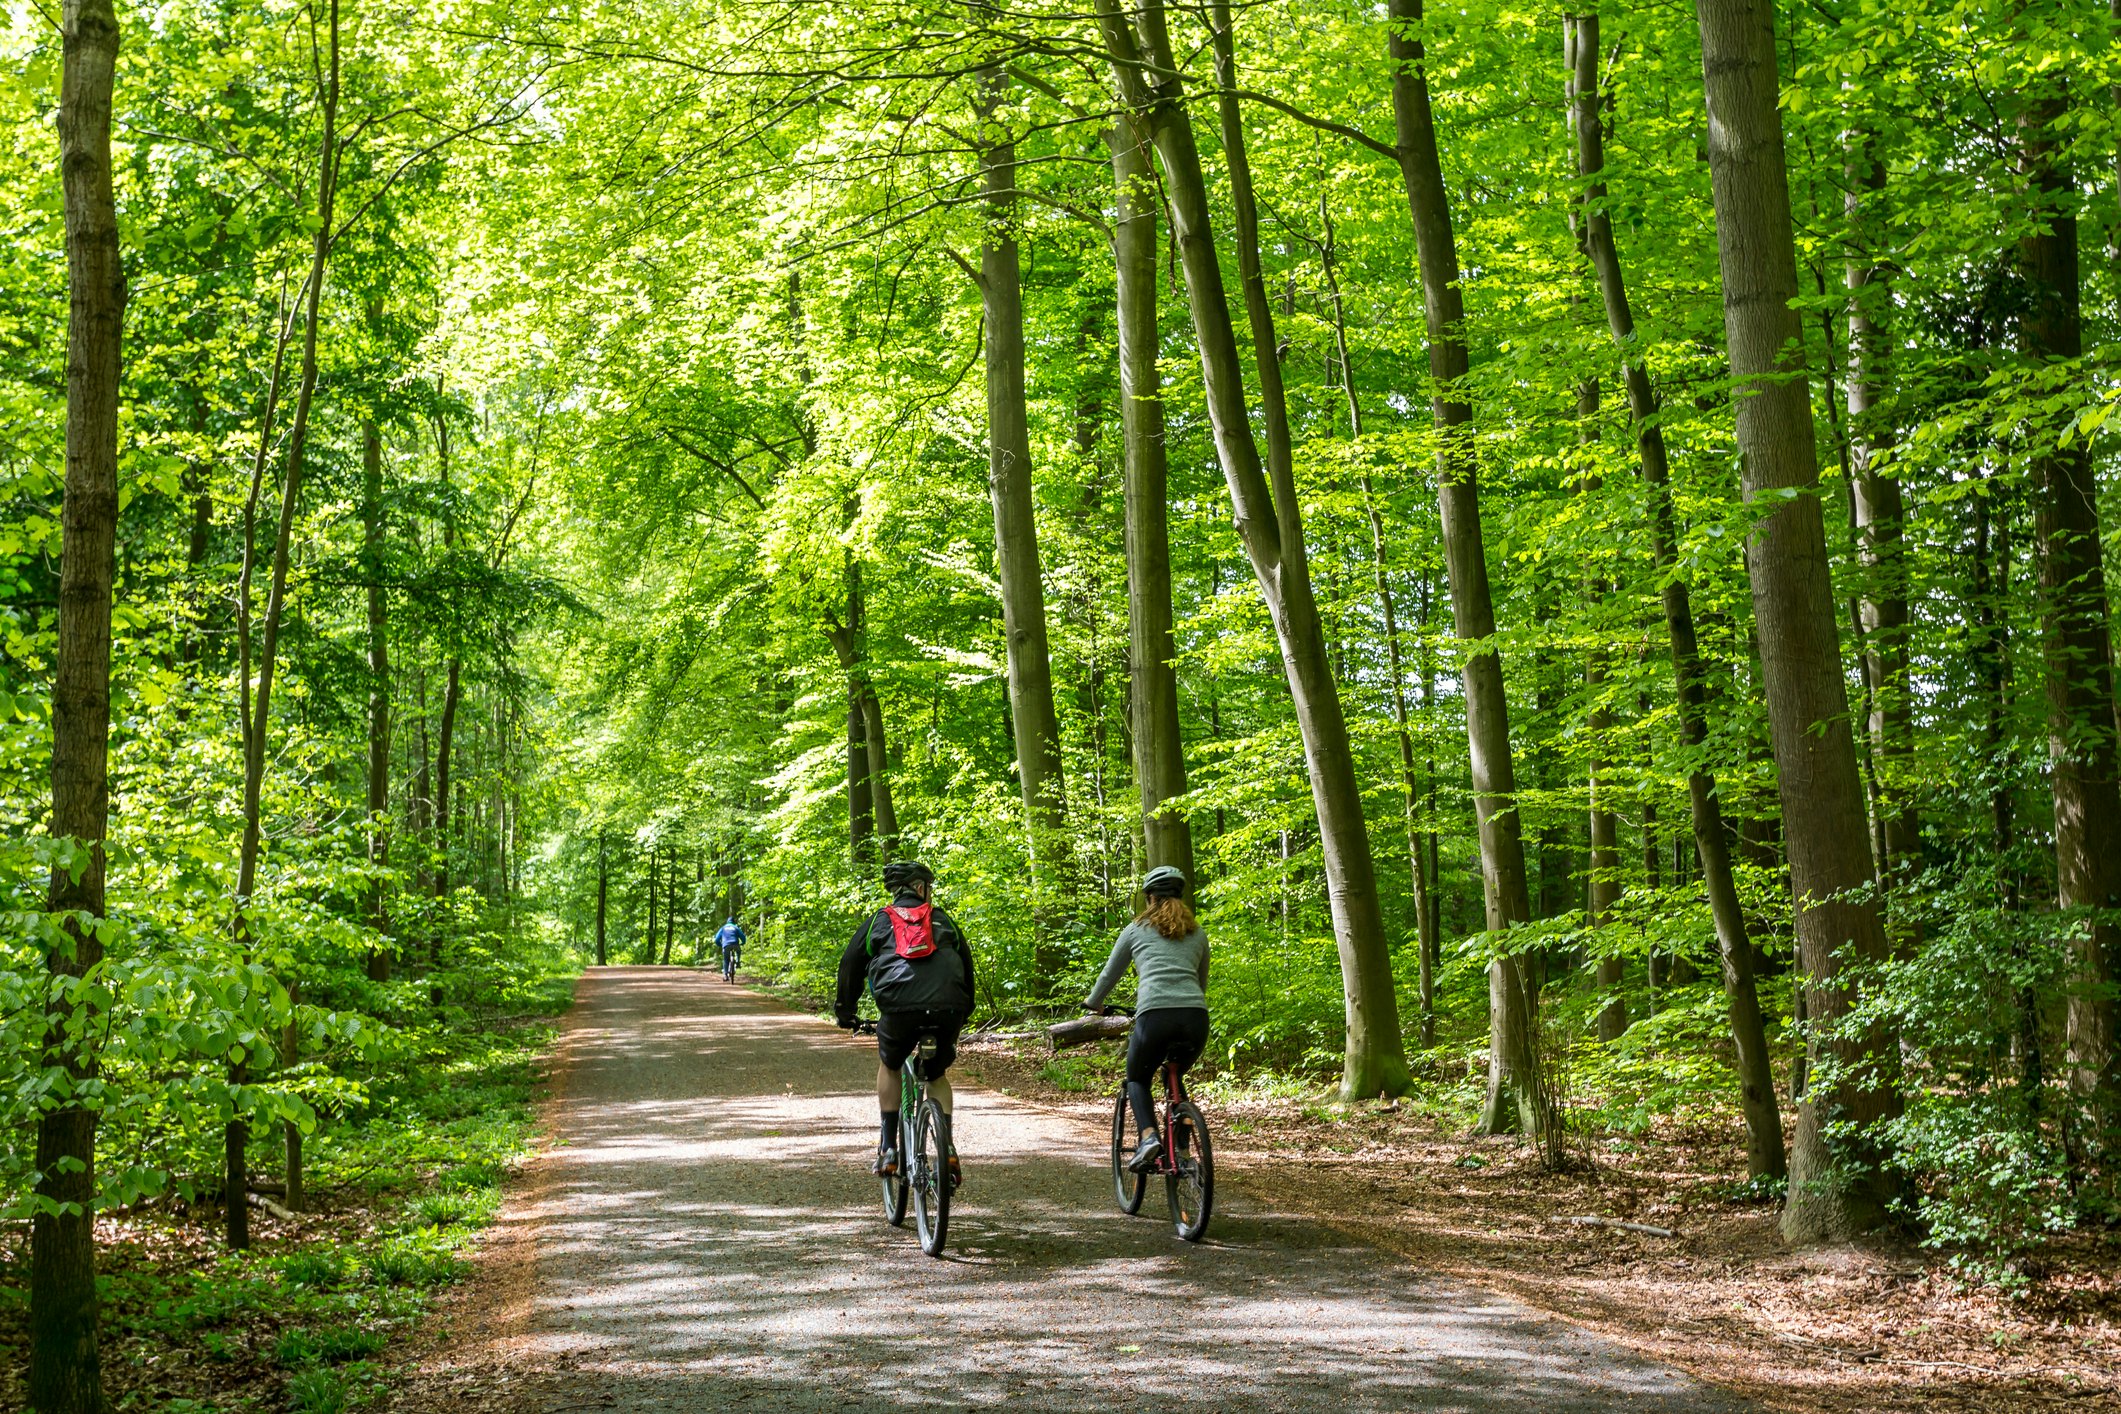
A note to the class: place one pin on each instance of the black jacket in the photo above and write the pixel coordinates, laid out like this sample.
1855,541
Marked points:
942,981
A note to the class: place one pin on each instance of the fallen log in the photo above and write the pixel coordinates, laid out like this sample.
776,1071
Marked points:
1084,1030
259,1200
1616,1224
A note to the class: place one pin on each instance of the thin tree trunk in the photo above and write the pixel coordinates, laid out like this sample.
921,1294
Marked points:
1516,1098
653,855
1159,748
446,810
1837,1188
290,1132
65,1360
1270,525
847,645
1016,557
258,716
1765,1156
603,894
861,813
1418,873
861,788
2077,634
1432,848
670,907
1603,891
1883,611
378,686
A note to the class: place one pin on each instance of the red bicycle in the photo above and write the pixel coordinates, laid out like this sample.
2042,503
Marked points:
1187,1162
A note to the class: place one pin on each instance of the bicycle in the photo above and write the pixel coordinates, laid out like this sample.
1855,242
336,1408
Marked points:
924,1152
730,955
1187,1162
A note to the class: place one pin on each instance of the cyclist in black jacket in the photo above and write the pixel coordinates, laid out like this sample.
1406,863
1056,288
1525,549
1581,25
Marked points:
919,970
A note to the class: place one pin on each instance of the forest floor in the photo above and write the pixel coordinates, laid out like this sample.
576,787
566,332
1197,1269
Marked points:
699,1232
1887,1328
309,1320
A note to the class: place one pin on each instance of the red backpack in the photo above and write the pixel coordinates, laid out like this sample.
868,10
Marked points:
912,934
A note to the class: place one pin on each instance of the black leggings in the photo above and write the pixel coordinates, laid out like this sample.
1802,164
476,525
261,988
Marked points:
1177,1034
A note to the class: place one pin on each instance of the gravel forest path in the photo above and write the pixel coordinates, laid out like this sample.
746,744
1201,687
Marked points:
703,1234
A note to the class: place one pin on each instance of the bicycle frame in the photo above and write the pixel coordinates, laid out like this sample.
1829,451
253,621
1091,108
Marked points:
912,1094
1167,1161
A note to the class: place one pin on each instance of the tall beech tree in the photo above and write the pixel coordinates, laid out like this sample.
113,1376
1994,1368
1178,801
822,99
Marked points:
1837,1188
1516,1094
1269,521
1159,750
2085,767
65,1361
1016,559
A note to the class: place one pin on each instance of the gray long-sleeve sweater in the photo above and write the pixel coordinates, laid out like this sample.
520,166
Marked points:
1171,971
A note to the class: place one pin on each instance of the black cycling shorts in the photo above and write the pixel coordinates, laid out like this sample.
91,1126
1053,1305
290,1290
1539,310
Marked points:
898,1032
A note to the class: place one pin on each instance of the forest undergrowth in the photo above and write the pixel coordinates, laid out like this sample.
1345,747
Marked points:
313,1317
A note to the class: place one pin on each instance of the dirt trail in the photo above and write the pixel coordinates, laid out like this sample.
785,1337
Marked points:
703,1235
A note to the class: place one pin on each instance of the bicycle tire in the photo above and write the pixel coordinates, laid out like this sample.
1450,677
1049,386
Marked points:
895,1193
1128,1188
1190,1187
931,1179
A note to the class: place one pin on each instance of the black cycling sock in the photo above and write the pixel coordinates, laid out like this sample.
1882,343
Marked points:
889,1135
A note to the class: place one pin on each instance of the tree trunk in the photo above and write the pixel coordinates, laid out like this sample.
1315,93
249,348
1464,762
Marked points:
1270,525
258,709
1515,1095
1418,883
649,954
290,1132
1765,1155
378,687
861,813
1837,1188
2077,634
65,1361
1882,612
1375,1057
1602,894
846,643
1432,849
670,908
603,895
1159,748
445,810
1016,558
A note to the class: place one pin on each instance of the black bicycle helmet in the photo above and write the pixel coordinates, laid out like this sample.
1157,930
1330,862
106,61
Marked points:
1163,882
901,874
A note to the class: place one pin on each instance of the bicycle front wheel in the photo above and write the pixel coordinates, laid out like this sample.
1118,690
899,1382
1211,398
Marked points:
1190,1185
1128,1188
931,1179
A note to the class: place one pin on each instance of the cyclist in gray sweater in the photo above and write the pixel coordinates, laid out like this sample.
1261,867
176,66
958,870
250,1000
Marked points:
1169,953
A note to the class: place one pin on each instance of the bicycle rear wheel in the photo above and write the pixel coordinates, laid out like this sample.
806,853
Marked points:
1128,1188
1190,1186
930,1179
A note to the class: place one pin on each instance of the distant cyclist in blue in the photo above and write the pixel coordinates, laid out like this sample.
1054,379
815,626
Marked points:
731,941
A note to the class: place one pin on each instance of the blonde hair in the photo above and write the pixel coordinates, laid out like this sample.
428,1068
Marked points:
1168,916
